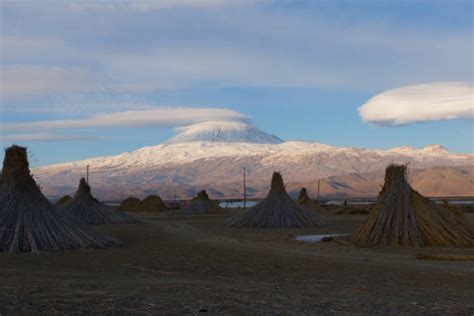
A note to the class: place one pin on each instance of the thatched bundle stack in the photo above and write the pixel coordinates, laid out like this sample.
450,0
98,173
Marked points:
305,201
129,204
29,222
151,204
63,200
201,204
89,210
277,210
401,216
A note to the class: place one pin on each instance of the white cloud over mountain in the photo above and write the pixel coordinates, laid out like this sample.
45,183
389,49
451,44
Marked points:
157,117
417,103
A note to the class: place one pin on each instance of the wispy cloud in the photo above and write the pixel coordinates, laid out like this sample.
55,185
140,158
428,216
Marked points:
44,137
136,52
425,102
20,81
163,117
14,47
152,5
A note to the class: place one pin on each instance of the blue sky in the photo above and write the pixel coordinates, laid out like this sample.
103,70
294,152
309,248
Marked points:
297,69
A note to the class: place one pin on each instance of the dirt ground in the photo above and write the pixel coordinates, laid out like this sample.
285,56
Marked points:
195,265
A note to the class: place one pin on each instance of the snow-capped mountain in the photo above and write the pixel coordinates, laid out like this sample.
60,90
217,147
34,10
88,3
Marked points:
226,132
211,156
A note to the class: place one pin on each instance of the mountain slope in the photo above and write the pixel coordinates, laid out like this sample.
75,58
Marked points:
434,181
182,169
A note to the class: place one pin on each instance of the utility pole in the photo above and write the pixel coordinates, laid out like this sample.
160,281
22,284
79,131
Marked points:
319,185
408,171
245,191
87,174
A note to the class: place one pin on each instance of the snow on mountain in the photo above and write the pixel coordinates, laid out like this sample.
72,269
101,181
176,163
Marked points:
184,165
227,132
427,150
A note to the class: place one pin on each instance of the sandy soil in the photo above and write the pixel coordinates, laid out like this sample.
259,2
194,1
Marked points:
194,265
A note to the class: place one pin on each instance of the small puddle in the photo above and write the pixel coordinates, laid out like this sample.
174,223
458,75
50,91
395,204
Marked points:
316,238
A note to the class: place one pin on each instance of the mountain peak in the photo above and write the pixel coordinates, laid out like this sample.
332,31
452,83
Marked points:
223,131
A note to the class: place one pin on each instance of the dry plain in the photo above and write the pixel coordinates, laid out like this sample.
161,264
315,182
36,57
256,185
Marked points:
195,265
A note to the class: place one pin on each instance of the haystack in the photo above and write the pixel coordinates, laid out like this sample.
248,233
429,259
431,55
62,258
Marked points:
63,200
151,204
305,201
29,222
401,216
129,204
89,210
201,204
277,210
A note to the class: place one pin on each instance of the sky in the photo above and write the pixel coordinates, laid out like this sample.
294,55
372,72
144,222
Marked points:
86,78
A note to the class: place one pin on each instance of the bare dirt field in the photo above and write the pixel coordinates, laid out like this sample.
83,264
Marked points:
195,265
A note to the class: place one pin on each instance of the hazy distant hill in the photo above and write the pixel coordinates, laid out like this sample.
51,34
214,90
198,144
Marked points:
212,157
435,181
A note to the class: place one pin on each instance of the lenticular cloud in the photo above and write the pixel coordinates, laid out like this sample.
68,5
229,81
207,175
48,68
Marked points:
425,102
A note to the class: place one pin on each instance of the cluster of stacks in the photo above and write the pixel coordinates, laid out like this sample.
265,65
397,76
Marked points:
403,217
277,210
91,211
29,222
400,217
201,204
